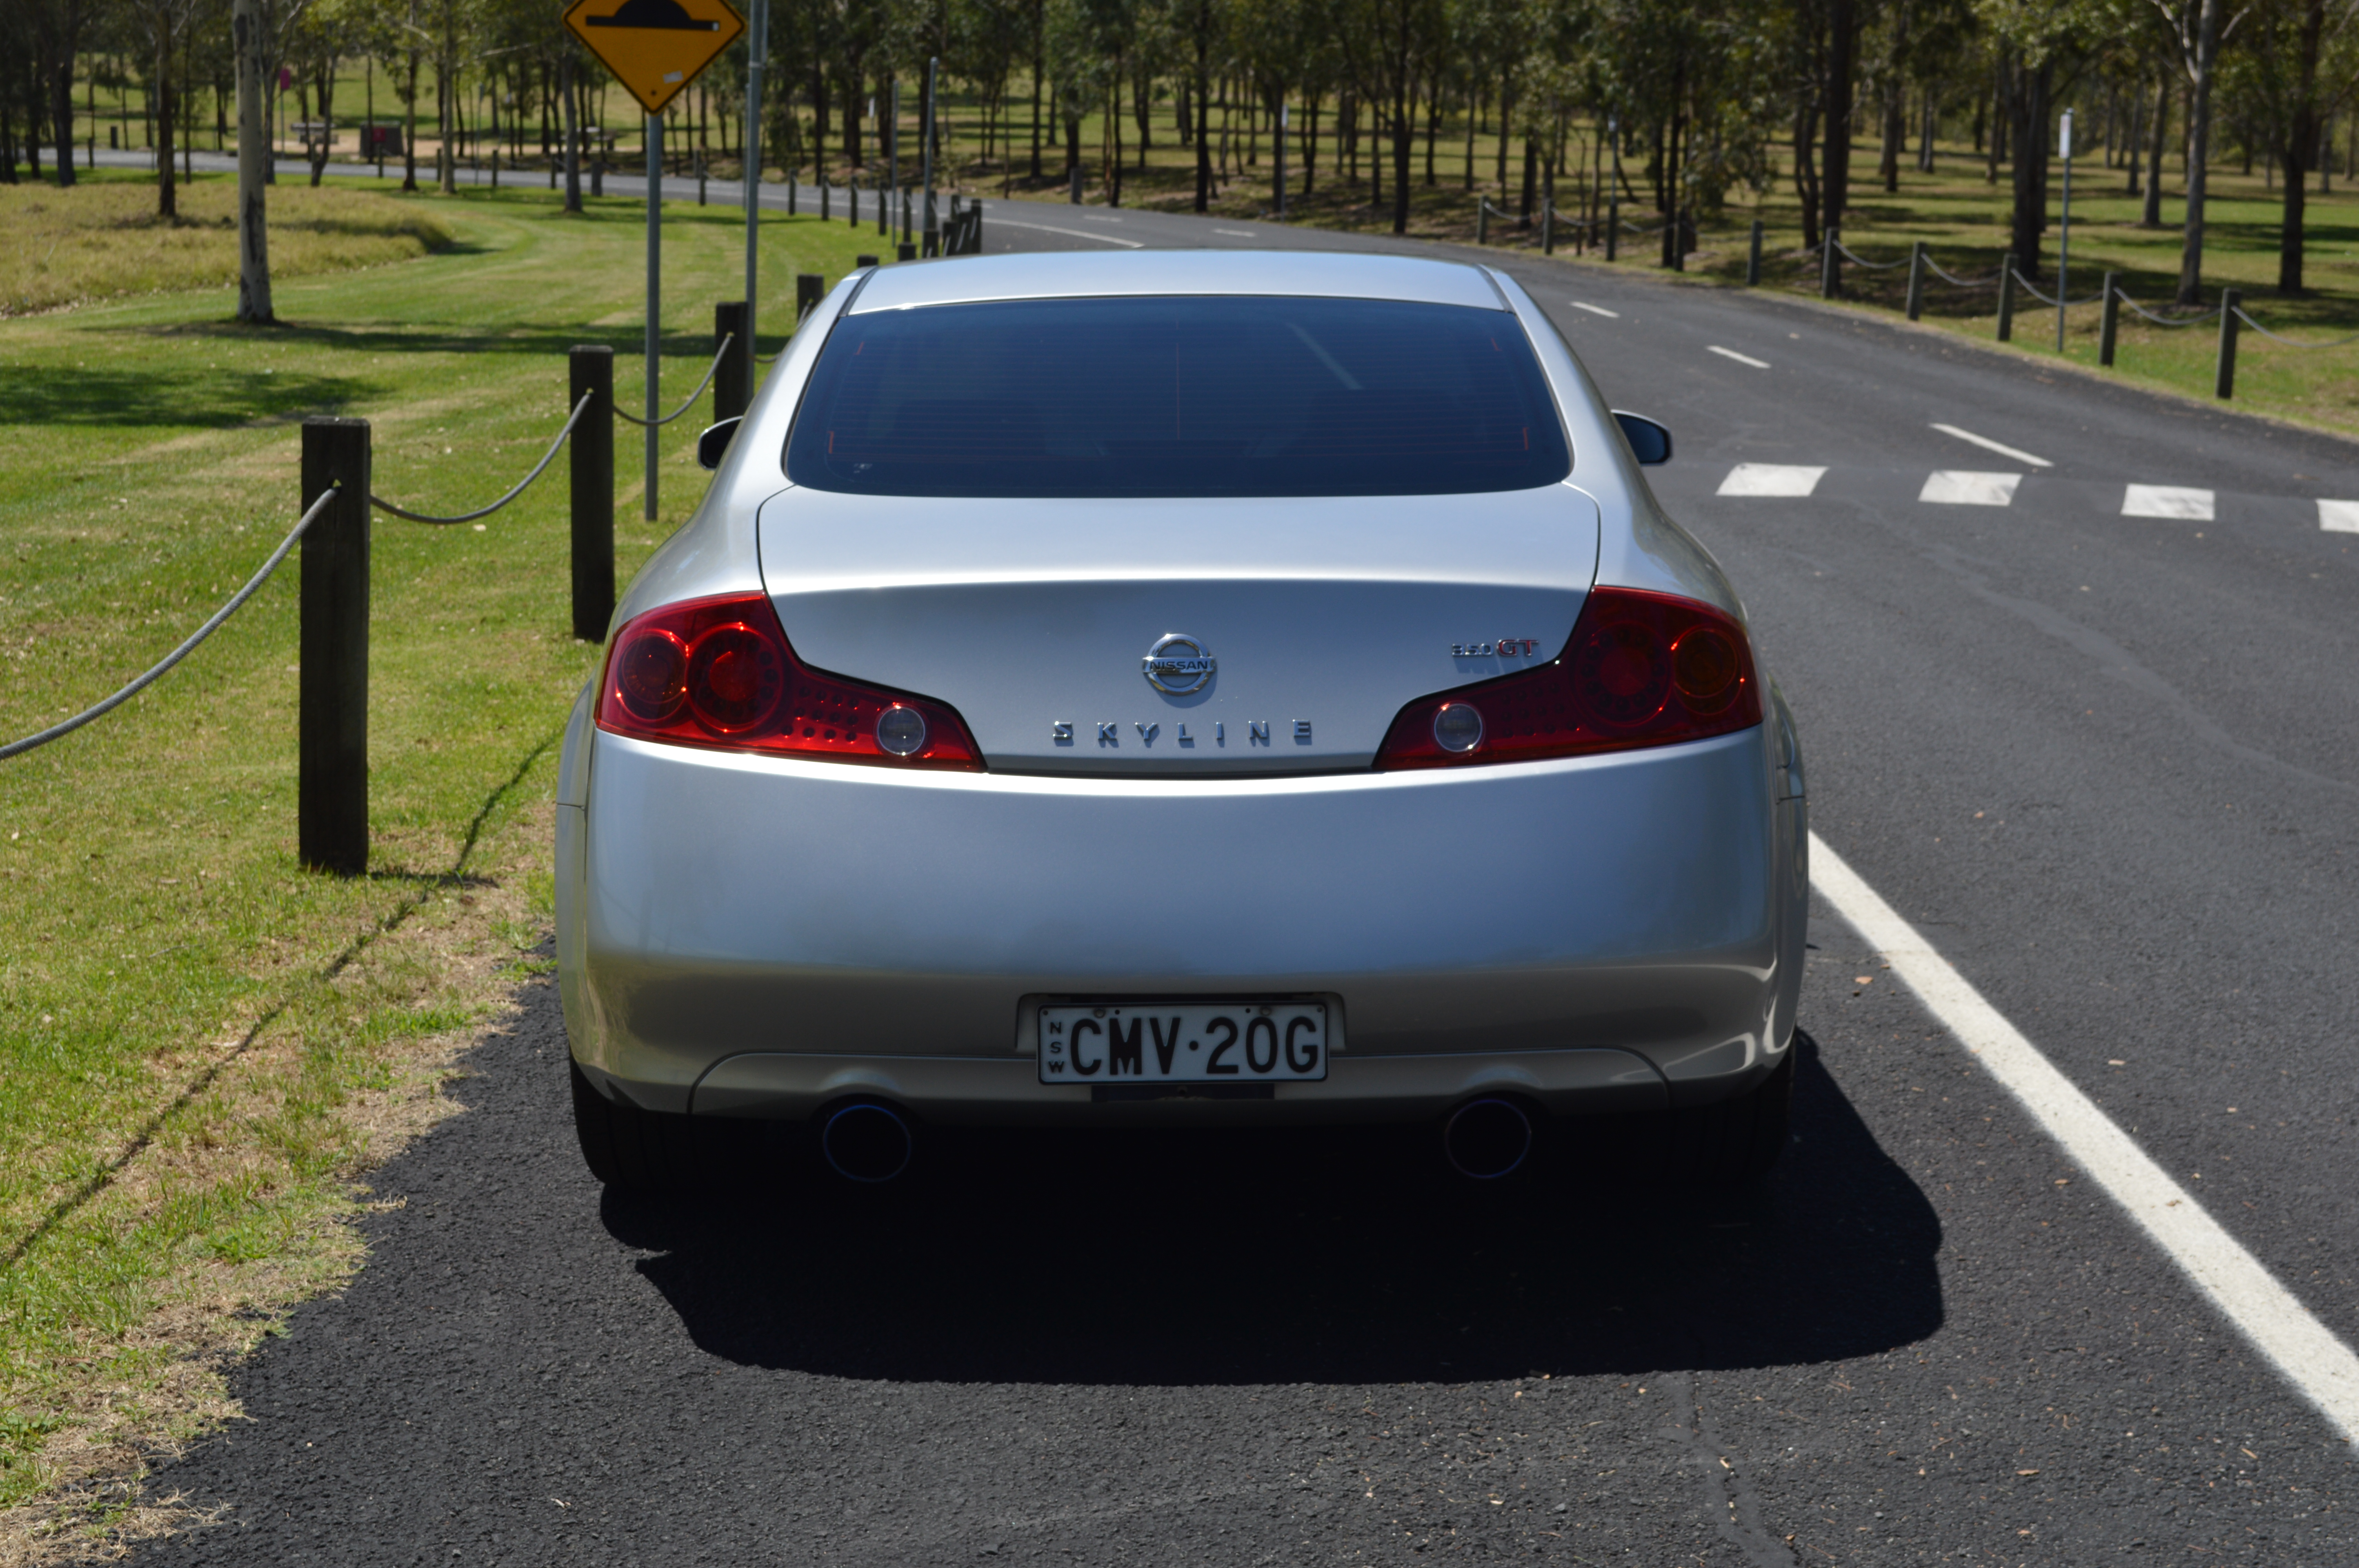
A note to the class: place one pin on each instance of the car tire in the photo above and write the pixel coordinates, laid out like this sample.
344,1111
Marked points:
1739,1140
635,1151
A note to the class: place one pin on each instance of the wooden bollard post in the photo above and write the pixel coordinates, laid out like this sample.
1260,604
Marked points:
331,749
732,383
810,289
1752,258
2224,384
1831,264
1613,226
2109,319
2006,297
1916,280
590,368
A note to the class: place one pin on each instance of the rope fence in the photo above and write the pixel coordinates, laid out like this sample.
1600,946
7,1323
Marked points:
717,355
2025,285
2288,342
2168,320
547,458
1858,260
236,602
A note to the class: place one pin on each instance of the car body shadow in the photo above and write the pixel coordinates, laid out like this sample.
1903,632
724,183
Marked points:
1332,1256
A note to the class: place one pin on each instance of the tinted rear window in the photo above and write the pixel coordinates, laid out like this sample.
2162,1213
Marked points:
1178,397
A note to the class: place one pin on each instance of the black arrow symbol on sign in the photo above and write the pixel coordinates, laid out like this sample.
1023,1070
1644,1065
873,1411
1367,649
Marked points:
653,14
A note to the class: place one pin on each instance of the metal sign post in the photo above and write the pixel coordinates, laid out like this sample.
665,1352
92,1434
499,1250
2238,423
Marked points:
2064,230
1280,148
655,301
931,244
655,47
757,48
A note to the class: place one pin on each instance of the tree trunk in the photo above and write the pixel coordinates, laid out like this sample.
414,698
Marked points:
1806,171
61,92
1895,121
2028,131
2303,138
253,154
1842,36
1039,68
573,130
1203,102
2199,149
168,201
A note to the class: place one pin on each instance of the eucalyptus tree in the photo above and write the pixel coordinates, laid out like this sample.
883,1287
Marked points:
1391,47
2197,31
2297,67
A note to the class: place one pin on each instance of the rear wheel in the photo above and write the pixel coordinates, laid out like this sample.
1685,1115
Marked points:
1737,1140
635,1151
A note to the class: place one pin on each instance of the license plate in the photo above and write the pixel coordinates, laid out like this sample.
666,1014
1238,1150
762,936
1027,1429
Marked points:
1190,1043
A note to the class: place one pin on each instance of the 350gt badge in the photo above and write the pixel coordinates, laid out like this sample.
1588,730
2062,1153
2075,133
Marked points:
1177,664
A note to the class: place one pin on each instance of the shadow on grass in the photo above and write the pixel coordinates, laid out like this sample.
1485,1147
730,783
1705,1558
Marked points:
1224,1256
206,399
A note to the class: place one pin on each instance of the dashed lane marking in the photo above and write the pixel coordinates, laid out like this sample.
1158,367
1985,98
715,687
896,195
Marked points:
1235,233
2339,516
1770,478
2319,1365
1740,359
1068,234
1986,444
1957,487
2167,500
1595,310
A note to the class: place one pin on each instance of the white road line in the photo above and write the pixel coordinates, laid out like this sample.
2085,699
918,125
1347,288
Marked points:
2316,1363
1770,478
1958,487
1070,234
1594,309
1237,233
2339,516
1990,445
2166,500
1732,354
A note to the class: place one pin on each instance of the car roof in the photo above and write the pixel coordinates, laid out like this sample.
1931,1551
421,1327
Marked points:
1058,274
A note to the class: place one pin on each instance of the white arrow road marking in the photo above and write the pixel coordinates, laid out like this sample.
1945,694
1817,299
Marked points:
1732,354
2339,516
2166,500
2320,1367
1986,444
1770,478
1958,487
1595,310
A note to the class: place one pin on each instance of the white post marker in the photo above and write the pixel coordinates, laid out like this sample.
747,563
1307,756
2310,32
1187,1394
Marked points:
2065,230
2319,1365
654,300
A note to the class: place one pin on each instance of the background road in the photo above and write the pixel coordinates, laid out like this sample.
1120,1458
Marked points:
2105,761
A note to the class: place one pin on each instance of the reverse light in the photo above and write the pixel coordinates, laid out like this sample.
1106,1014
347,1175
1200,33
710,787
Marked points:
719,673
1640,669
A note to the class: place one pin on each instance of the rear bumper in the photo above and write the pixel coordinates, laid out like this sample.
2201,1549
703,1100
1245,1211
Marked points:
744,936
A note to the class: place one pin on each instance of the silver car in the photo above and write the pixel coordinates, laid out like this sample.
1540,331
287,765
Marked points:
1179,688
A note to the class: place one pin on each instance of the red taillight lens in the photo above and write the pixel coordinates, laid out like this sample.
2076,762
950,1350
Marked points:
719,673
1640,669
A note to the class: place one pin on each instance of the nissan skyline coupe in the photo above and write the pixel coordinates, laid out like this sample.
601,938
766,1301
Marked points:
1182,689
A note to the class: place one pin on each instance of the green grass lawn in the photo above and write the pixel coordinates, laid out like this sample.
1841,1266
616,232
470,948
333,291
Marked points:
200,1043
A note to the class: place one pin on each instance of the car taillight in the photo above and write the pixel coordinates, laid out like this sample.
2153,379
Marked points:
719,673
1640,669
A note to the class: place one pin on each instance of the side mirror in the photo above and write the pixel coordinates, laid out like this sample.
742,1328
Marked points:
713,445
1650,443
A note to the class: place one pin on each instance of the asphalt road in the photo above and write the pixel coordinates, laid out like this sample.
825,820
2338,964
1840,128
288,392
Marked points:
2105,762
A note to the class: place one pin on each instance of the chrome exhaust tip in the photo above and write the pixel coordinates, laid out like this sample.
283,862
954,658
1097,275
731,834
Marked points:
1487,1139
866,1143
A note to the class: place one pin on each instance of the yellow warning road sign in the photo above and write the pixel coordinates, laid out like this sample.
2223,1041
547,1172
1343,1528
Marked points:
655,48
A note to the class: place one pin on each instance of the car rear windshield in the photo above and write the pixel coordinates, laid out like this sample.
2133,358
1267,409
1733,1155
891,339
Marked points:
1178,397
